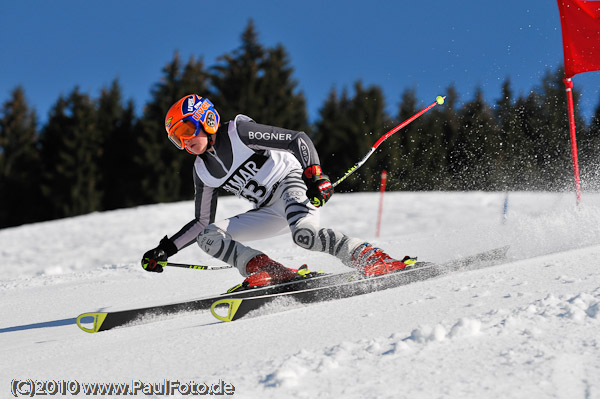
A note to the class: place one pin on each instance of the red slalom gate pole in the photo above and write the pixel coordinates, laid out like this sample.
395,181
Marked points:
382,191
569,89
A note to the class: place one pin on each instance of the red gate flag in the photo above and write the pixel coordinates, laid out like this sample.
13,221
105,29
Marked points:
580,21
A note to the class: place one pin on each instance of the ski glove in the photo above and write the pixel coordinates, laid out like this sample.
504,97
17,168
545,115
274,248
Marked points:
155,259
319,186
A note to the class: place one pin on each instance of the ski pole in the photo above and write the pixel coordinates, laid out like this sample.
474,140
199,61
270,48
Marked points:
438,100
197,267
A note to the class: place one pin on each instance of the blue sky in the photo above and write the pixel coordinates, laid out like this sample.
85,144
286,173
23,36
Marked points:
49,47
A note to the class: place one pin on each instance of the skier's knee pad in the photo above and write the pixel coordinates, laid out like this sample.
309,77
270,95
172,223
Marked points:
212,238
219,244
305,235
314,238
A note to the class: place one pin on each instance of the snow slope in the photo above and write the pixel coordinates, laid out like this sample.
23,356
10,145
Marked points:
528,328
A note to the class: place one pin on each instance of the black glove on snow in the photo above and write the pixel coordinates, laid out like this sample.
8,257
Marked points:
155,259
319,186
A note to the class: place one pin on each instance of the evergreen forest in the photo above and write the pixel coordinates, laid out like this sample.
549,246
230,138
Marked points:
96,154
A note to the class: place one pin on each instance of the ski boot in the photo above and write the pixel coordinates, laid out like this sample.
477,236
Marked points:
374,262
264,271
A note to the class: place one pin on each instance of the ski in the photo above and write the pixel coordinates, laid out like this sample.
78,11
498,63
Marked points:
102,321
237,308
93,322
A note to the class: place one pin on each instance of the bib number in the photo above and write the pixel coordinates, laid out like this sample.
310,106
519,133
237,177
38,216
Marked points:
254,192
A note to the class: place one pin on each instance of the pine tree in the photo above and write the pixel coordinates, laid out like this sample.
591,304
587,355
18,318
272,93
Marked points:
19,162
405,167
526,152
368,118
236,79
117,166
165,173
347,129
478,146
283,106
510,141
433,163
553,138
450,125
258,82
330,134
71,153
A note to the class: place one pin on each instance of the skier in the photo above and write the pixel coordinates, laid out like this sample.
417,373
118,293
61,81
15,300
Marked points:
276,169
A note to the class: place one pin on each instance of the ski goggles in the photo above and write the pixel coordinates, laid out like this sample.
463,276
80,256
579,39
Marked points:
183,130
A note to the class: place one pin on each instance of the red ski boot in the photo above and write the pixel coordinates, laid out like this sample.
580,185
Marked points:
263,271
374,262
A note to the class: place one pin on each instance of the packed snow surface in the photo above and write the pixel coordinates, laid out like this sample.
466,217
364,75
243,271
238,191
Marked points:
526,328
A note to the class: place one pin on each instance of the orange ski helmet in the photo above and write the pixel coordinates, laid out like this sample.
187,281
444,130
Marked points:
188,117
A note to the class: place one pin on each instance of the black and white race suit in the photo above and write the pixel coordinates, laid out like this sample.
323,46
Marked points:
264,165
